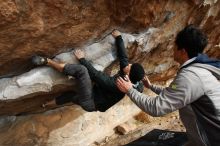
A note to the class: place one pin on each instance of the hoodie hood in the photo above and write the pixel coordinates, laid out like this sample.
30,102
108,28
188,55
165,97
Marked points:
204,59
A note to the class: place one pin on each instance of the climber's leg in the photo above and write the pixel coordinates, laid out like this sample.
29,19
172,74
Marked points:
84,85
66,97
57,65
39,61
49,103
84,95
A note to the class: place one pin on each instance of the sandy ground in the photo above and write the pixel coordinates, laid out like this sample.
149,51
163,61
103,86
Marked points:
143,124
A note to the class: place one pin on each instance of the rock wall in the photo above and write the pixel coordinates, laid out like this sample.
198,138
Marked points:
68,126
55,27
49,27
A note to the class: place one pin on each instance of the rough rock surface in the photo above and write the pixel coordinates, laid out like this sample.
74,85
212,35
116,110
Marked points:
52,27
68,126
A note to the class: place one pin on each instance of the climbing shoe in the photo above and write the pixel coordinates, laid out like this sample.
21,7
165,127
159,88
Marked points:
39,60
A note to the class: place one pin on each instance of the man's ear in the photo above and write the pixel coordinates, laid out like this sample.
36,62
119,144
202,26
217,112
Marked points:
184,52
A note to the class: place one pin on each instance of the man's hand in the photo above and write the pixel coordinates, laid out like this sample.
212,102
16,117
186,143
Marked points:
146,82
79,54
124,85
116,33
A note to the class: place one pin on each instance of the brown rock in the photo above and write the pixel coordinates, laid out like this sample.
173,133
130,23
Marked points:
50,27
125,128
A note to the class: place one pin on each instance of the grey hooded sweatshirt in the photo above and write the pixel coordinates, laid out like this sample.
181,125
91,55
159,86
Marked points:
195,92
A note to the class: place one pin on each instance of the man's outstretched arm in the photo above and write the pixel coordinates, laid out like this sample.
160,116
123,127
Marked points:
180,93
154,88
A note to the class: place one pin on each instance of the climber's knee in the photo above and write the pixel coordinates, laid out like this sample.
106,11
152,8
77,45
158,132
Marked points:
87,104
75,69
89,109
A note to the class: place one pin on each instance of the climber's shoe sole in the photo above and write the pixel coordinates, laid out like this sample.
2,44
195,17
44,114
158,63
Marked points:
38,60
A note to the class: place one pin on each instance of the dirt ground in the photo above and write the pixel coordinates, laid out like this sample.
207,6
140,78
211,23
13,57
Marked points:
141,125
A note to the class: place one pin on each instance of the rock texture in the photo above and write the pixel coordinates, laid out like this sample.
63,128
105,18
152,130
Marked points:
69,126
50,27
55,27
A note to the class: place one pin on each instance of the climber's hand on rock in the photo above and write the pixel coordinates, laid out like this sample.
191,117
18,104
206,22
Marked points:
79,53
115,33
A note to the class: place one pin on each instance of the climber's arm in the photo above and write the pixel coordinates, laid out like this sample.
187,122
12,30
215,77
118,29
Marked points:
121,51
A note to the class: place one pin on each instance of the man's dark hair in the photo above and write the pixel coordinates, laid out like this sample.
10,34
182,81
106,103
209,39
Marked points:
136,73
192,39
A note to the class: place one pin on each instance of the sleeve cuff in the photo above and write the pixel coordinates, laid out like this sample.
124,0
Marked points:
119,37
151,86
81,60
130,91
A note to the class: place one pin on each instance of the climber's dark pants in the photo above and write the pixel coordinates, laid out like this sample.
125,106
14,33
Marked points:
83,97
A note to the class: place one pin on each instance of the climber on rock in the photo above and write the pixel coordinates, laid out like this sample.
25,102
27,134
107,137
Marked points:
97,91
